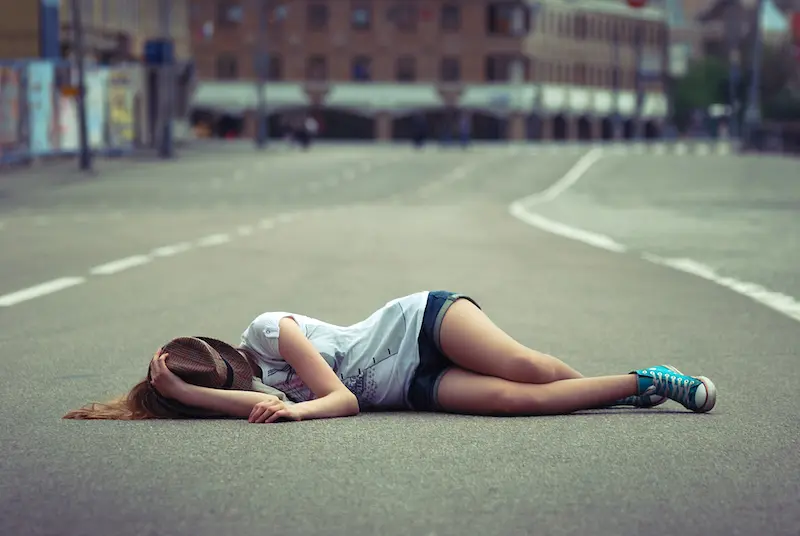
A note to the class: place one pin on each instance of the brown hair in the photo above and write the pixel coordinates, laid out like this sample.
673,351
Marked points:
139,404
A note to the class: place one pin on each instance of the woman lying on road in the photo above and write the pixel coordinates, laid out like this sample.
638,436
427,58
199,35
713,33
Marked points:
429,351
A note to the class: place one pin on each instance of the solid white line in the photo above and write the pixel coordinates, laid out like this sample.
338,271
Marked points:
117,266
776,301
213,240
782,303
568,180
37,291
174,249
593,239
245,230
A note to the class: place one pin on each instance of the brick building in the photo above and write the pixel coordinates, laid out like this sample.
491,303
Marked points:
523,69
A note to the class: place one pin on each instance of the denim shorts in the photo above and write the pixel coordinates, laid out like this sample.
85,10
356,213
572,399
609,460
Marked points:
423,391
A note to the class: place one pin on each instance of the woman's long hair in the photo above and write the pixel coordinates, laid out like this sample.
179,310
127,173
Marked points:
139,404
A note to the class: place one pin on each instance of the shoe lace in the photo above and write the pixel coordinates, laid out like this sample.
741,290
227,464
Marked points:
678,388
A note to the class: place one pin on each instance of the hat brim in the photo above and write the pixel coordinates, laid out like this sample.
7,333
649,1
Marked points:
240,379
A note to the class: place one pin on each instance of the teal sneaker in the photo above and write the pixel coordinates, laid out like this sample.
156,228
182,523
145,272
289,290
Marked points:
695,393
648,400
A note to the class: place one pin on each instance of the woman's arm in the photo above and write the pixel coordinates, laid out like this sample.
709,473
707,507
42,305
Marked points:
333,398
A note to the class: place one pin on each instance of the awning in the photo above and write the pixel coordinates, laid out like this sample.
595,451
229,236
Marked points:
654,106
499,98
370,98
237,97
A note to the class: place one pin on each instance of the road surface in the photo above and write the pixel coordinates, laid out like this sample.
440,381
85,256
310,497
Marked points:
99,272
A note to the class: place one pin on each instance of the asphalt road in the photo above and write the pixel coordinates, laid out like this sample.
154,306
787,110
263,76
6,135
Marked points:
207,242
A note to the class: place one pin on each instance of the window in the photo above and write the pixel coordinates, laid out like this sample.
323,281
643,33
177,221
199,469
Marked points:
579,74
406,69
316,68
450,69
507,19
581,26
229,13
450,18
317,16
275,68
227,67
506,68
361,69
404,16
360,17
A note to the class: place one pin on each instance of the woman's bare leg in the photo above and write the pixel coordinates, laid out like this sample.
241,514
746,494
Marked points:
463,391
471,340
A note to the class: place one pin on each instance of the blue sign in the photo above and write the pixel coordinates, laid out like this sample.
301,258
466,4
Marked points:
41,77
159,52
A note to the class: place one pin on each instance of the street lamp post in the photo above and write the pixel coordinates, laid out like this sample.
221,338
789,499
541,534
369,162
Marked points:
85,154
167,85
262,73
752,115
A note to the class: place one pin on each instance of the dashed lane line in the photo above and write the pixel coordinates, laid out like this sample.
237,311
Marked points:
42,289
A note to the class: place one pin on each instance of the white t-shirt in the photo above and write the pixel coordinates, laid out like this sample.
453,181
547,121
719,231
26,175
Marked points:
375,358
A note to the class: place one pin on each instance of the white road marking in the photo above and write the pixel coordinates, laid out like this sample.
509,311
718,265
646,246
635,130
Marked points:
593,239
174,249
117,266
42,289
567,181
776,301
680,148
245,230
782,303
214,240
267,223
284,218
703,149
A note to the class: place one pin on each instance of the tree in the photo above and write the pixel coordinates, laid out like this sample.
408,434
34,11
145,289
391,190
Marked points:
703,85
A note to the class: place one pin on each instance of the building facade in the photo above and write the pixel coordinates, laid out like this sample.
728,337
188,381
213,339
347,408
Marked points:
523,69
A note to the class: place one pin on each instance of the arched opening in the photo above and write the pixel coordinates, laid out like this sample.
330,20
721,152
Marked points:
487,126
229,126
584,129
560,129
651,130
337,124
628,129
202,122
534,127
607,128
422,124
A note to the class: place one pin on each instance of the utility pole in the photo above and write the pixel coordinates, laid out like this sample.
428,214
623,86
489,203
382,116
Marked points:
638,51
77,28
733,21
167,85
262,73
752,115
615,82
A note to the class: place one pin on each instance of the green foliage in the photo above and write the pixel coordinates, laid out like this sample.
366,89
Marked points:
703,85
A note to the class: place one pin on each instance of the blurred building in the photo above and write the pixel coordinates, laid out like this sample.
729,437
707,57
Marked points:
522,69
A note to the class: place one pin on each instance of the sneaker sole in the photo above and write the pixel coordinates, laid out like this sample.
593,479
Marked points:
711,395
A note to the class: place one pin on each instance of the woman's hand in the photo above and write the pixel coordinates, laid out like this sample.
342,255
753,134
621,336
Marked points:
166,382
272,409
